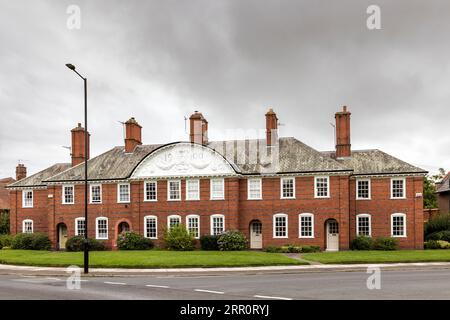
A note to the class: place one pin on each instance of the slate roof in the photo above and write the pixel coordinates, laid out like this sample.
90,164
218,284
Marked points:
445,184
36,180
376,162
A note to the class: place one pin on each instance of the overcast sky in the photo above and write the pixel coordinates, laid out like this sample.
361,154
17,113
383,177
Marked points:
160,60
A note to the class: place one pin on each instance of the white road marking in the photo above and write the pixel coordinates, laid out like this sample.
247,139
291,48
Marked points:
115,283
269,297
157,286
209,291
55,279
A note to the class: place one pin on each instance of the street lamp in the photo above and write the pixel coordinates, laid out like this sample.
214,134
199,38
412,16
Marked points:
86,152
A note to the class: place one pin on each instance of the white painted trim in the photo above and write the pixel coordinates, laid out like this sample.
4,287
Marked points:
260,188
118,192
187,189
145,226
90,193
198,223
315,187
404,224
369,186
96,228
300,225
404,188
170,217
76,225
362,215
145,190
211,189
211,219
168,189
281,187
24,191
273,225
63,193
23,225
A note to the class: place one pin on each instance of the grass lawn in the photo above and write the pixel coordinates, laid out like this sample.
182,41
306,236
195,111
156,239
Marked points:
378,256
146,259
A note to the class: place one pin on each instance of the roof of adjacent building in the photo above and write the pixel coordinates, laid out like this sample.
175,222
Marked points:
445,184
4,194
294,157
374,161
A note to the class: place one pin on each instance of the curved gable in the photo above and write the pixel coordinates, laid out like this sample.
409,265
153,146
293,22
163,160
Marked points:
183,159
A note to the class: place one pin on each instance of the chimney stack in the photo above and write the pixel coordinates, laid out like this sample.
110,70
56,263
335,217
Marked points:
21,171
198,128
271,128
343,146
78,146
132,135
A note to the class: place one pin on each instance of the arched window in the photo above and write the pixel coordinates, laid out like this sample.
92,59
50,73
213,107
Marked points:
398,225
27,226
151,227
80,226
101,228
280,225
173,220
193,225
364,225
217,224
306,225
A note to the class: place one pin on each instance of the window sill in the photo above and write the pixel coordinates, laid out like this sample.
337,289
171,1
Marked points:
363,199
155,200
303,237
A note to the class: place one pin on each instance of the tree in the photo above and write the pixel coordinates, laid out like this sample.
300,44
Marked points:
439,176
4,222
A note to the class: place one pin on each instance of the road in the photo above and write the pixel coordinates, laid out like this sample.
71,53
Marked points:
408,284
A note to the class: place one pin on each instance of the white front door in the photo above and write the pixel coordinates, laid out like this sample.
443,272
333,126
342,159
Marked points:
332,235
62,236
256,235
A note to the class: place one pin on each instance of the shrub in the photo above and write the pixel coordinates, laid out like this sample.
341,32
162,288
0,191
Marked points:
31,241
209,242
438,223
308,249
5,240
133,241
232,240
4,222
385,243
362,243
179,238
272,249
439,235
77,244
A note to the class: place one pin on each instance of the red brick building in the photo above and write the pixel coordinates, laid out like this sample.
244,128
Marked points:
275,190
443,194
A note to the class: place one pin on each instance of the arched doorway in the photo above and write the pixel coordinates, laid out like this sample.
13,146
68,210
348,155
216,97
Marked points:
123,227
62,236
256,235
332,235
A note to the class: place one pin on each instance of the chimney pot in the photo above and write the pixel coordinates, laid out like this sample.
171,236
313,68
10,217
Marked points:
133,135
271,128
343,146
21,171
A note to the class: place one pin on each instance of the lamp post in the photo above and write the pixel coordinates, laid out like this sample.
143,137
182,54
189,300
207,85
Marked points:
86,151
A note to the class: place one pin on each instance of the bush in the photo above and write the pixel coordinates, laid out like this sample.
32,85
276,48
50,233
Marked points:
272,249
291,248
5,240
4,222
133,241
232,240
77,244
439,235
385,243
438,223
209,242
437,244
362,243
31,241
179,238
308,249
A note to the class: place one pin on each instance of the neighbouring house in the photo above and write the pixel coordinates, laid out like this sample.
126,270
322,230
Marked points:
276,190
4,193
443,192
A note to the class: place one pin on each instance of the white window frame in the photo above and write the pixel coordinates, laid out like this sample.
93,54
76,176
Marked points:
156,226
189,181
24,192
96,228
369,189
315,187
145,190
198,224
76,225
27,221
403,215
64,193
173,216
300,216
118,192
168,190
212,223
363,215
90,193
281,187
274,225
404,188
212,196
259,180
